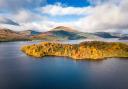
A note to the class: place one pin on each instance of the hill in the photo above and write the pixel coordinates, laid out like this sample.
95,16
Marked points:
124,38
67,29
60,33
9,35
106,35
29,32
84,50
66,33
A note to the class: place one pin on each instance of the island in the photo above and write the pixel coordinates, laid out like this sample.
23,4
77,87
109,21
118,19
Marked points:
94,50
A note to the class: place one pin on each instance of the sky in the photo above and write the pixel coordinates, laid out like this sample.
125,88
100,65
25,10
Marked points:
82,15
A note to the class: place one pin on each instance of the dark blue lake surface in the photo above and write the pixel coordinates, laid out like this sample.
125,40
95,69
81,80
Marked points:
18,71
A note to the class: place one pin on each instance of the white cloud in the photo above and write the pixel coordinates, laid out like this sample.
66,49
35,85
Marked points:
15,5
25,16
105,17
61,10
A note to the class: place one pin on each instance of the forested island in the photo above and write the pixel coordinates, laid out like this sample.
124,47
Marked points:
85,50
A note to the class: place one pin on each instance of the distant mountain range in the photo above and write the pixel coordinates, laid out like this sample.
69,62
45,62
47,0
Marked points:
58,33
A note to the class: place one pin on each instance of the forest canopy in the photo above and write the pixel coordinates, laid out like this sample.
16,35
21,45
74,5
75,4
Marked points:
84,50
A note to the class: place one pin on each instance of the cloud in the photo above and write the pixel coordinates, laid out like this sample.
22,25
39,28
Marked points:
4,20
14,5
61,10
22,11
25,16
105,15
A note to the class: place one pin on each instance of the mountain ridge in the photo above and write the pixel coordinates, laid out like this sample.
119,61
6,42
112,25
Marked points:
58,33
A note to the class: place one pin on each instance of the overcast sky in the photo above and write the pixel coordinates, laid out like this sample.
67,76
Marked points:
83,15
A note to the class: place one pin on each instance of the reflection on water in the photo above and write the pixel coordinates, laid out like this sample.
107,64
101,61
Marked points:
18,71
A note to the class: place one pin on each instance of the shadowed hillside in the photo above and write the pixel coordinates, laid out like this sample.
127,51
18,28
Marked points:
84,50
29,32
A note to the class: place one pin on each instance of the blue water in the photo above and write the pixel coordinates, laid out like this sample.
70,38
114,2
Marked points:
18,71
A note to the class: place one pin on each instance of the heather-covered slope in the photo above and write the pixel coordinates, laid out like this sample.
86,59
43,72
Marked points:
84,50
9,35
